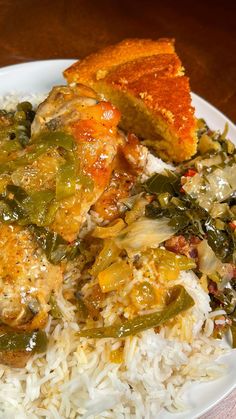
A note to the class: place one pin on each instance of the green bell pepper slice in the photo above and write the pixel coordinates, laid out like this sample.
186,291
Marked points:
179,301
66,181
39,145
35,341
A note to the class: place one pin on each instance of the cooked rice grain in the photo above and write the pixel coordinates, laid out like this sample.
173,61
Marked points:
76,378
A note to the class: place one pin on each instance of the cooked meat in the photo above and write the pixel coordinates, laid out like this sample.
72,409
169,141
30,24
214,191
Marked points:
71,130
119,188
74,131
63,106
26,280
93,124
128,164
182,246
85,167
144,80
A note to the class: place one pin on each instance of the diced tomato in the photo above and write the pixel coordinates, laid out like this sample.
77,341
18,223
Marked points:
232,225
190,173
212,287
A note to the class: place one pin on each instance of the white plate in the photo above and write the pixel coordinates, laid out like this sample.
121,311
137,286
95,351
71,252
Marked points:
39,77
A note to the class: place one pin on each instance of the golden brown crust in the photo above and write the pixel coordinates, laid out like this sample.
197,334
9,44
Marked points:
91,67
151,73
162,65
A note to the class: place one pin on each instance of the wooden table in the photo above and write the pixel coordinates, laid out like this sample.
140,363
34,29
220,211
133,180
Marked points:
205,33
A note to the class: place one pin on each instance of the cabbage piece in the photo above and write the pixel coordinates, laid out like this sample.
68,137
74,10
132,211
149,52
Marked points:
208,263
145,233
213,187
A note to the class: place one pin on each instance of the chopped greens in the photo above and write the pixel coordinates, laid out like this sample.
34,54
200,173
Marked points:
160,183
36,208
220,241
199,201
54,246
187,217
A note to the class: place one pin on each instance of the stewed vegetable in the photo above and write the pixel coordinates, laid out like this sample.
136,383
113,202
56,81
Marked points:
179,301
35,341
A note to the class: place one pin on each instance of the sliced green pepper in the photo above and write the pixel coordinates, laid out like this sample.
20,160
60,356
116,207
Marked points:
108,254
179,301
54,311
86,182
66,180
40,145
40,207
10,146
37,208
35,341
172,260
55,138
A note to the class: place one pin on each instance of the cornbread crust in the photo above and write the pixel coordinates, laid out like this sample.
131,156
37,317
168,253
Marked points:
144,80
88,70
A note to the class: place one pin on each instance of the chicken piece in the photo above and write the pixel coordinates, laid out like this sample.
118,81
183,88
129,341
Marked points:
93,124
63,106
135,153
27,279
128,164
120,186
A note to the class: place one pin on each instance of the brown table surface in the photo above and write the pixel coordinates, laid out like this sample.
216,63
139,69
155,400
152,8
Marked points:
205,33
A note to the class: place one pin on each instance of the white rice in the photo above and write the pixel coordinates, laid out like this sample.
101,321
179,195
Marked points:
10,100
156,165
76,379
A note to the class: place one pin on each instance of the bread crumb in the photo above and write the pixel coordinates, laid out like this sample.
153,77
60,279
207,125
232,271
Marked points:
168,114
101,74
145,95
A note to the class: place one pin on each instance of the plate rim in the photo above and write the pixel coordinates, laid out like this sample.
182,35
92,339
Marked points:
35,62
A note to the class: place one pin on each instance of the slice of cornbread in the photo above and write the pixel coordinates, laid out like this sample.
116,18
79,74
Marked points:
144,80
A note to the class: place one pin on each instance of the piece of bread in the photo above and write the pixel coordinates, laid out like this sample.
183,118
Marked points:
144,80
